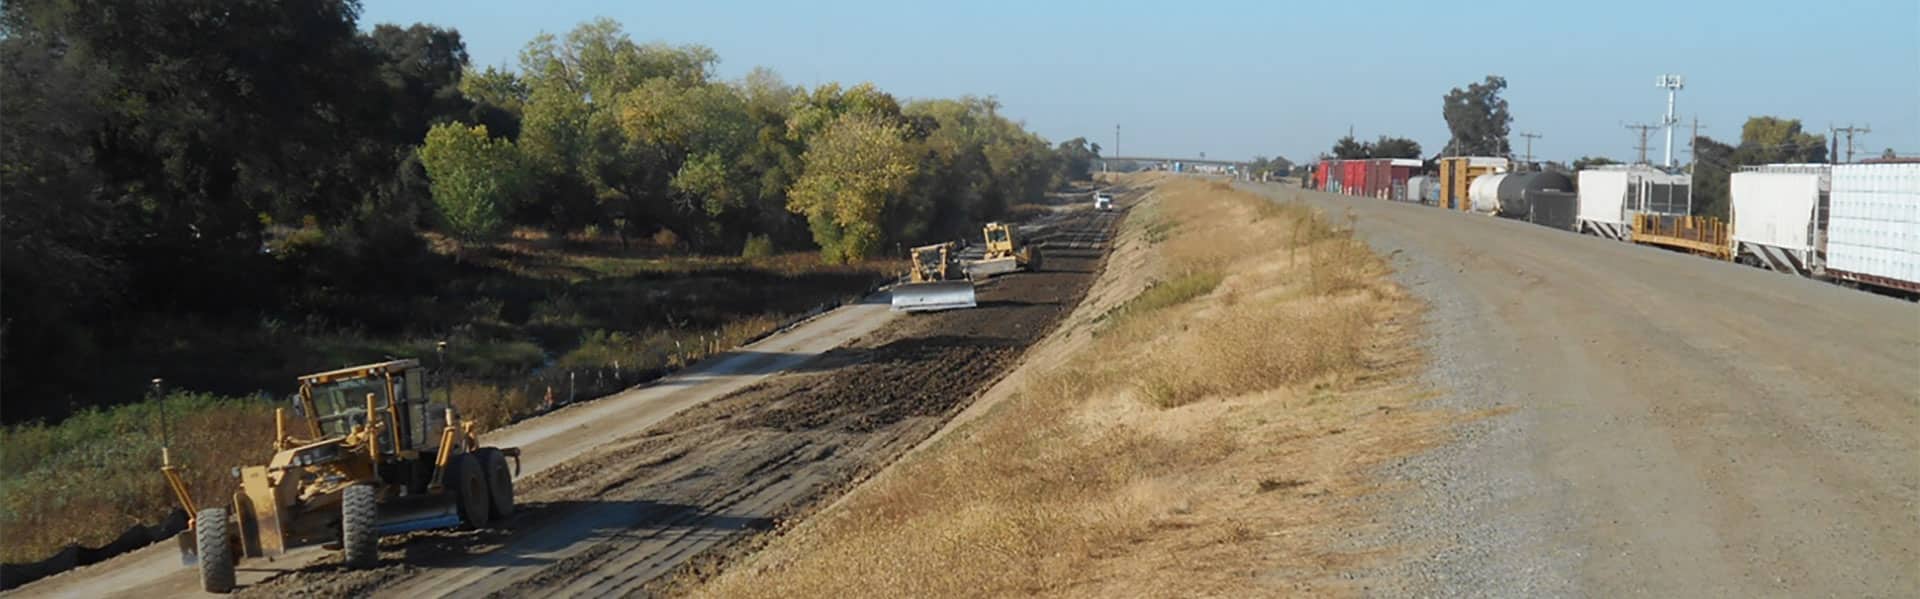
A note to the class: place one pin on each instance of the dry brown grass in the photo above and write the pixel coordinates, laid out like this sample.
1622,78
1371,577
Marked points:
1212,446
93,476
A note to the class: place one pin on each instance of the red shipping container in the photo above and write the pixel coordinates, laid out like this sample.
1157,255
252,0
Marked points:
1379,178
1323,175
1353,181
1399,171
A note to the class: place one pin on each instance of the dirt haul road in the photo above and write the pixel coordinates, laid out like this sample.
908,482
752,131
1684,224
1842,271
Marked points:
683,495
672,476
1663,425
622,495
547,441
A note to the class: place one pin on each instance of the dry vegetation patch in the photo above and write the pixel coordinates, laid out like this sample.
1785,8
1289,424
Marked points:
1215,439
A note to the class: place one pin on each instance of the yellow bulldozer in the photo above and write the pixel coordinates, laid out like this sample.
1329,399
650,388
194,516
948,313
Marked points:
370,453
1006,252
938,281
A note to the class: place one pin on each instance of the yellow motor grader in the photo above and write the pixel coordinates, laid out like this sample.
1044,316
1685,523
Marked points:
1006,252
370,453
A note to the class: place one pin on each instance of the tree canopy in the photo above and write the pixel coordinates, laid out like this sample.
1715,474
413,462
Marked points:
1277,166
1385,147
1478,119
853,166
1763,140
1587,162
476,179
1348,148
1770,139
1077,158
155,153
1395,147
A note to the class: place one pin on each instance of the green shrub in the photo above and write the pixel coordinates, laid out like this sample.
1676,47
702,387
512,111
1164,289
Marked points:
1163,294
758,246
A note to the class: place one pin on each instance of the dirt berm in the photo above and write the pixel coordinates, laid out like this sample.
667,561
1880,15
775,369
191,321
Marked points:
673,503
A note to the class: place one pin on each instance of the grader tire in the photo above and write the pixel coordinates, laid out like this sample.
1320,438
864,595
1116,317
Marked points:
499,483
467,481
212,531
359,539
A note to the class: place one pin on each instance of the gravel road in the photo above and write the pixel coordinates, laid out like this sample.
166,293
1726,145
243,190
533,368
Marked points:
1657,424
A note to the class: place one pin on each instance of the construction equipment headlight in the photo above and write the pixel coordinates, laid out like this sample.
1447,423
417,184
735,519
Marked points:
316,455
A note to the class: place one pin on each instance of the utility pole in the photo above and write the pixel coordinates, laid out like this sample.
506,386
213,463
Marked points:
1692,154
1643,129
1530,137
1673,84
1693,166
1833,139
1850,130
1116,140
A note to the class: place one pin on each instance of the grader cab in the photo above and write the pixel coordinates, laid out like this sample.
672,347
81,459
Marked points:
369,452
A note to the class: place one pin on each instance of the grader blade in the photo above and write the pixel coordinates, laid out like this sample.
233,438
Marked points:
980,269
404,515
189,547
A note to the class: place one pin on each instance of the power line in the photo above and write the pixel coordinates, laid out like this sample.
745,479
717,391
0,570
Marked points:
1642,147
1530,137
1691,154
1850,130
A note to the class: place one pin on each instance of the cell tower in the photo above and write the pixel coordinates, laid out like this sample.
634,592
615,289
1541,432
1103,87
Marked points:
1673,85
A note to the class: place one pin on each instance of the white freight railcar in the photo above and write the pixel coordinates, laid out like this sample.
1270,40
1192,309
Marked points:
1873,230
1610,196
1778,216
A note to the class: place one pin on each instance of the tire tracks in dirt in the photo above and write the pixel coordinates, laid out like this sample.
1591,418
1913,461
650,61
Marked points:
674,503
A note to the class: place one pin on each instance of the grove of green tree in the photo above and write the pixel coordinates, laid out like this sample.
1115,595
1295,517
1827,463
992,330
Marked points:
202,161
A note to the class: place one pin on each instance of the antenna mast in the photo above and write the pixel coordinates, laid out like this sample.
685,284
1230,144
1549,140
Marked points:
1673,84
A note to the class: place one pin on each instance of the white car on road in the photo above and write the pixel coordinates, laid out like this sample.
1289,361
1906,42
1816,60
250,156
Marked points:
1103,201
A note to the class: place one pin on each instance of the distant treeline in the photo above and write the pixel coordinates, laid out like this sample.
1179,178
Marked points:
259,159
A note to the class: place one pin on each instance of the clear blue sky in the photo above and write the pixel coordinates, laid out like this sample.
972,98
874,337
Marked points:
1239,79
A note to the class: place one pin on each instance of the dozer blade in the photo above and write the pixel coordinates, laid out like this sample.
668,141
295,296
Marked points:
927,297
988,268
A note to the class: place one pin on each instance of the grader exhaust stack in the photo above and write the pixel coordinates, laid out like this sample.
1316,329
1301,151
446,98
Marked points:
937,282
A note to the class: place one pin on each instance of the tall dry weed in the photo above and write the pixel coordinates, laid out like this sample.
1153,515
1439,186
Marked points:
1074,473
